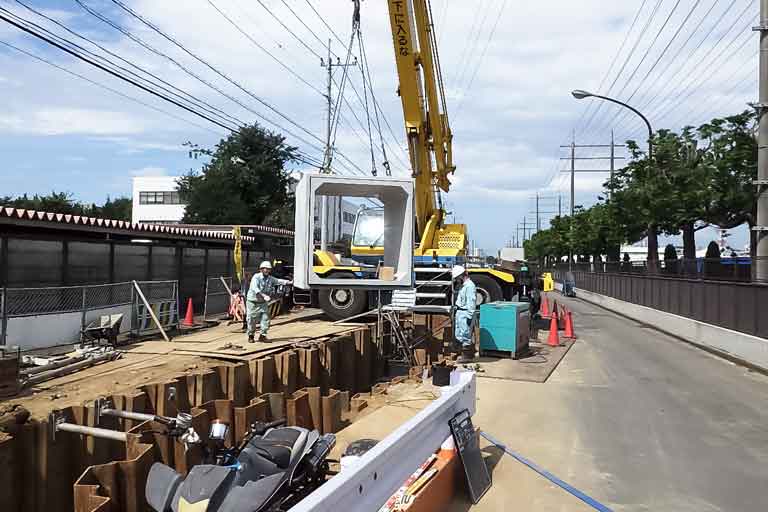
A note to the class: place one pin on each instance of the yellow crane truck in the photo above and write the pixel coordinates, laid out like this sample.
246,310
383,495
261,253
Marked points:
439,245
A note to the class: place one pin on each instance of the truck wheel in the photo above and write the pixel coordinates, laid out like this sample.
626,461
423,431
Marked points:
340,303
488,290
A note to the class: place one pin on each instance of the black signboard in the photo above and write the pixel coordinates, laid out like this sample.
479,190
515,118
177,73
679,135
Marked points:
478,477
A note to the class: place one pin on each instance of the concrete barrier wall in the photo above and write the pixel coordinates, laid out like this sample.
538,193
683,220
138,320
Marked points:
728,343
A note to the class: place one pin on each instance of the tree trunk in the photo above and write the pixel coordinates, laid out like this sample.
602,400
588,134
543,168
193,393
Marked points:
653,249
689,241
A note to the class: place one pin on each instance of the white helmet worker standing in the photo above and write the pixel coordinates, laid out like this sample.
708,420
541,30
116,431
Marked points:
466,305
263,287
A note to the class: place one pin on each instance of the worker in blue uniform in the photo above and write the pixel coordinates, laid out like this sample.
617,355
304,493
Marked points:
466,305
261,293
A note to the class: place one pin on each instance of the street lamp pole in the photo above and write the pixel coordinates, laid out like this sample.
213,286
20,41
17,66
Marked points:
580,95
653,251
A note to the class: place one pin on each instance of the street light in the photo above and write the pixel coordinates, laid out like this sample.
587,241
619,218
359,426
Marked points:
580,94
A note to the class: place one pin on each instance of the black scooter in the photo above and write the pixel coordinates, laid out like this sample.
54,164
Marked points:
272,469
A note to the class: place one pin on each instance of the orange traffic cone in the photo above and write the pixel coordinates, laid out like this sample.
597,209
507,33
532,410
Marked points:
189,319
569,334
561,317
553,340
544,306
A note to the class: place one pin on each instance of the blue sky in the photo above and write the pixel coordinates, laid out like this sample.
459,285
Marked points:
509,110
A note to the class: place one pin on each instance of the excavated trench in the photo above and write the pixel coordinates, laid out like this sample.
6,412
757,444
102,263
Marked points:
321,385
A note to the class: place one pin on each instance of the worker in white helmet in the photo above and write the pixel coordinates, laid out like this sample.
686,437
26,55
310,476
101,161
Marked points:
466,304
261,292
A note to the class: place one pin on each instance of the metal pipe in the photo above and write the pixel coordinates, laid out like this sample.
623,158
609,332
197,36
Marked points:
50,374
128,415
102,433
53,366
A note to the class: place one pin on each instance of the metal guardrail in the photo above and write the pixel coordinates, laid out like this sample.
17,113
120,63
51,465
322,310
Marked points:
737,306
715,269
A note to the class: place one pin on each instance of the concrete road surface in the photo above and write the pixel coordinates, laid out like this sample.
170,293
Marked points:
636,419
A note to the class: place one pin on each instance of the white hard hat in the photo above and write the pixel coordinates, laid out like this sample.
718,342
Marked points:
457,271
265,264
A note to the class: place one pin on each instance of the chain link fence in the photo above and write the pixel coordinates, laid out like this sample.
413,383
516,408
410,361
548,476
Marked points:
39,317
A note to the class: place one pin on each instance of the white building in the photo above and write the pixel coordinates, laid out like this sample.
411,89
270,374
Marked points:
341,218
156,200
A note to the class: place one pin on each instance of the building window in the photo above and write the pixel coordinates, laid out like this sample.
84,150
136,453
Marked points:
159,198
349,218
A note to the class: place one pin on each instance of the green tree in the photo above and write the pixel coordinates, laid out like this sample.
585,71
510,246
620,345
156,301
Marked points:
245,181
732,156
63,202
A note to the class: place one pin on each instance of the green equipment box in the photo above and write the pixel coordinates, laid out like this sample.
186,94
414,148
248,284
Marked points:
504,329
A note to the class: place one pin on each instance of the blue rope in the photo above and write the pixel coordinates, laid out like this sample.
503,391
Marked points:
549,476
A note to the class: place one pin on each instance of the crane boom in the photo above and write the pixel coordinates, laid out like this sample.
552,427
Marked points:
426,121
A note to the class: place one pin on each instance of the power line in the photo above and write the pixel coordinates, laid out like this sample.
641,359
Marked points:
102,86
111,72
663,73
482,57
658,59
171,89
613,62
211,67
648,50
627,59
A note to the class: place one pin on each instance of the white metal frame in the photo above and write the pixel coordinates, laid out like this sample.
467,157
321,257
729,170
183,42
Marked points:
382,470
397,197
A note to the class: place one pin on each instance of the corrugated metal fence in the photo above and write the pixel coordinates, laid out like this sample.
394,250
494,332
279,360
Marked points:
733,305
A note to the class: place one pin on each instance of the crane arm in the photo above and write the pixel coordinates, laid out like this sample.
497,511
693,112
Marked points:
423,98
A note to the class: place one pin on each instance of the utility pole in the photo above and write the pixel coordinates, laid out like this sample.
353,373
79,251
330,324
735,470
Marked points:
613,161
538,218
328,146
573,147
559,205
761,235
573,200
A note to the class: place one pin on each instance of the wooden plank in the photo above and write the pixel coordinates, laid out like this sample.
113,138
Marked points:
276,402
239,385
246,416
315,407
329,360
290,371
9,475
298,411
265,375
346,371
331,407
27,452
207,387
312,367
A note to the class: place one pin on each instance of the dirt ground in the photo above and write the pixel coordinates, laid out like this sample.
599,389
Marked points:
155,360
